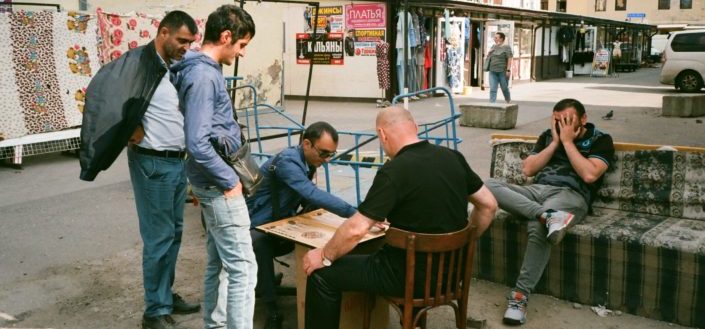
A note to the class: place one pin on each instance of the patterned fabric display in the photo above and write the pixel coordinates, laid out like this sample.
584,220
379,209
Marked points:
50,62
119,33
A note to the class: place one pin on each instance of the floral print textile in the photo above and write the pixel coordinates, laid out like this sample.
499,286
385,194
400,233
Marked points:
119,33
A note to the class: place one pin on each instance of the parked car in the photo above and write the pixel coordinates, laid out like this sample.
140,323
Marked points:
684,60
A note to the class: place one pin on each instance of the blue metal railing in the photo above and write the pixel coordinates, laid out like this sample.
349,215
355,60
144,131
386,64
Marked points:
360,139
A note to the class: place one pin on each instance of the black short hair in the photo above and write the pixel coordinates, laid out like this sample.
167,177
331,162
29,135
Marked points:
568,103
229,18
501,35
175,19
316,130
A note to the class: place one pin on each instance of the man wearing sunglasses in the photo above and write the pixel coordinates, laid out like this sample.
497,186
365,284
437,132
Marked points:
288,187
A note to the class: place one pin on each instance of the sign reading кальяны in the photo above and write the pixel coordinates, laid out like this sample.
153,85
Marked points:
328,49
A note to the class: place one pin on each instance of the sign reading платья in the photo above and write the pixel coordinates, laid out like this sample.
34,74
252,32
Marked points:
365,16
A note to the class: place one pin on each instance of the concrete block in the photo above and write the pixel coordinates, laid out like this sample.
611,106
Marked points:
488,115
684,105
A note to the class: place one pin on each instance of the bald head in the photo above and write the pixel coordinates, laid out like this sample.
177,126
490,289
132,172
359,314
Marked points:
396,128
395,117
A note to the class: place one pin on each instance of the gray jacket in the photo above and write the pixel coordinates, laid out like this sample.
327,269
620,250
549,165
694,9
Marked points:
208,118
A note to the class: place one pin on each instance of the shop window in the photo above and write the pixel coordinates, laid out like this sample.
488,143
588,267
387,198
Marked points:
525,42
544,4
686,4
600,5
664,4
561,5
620,5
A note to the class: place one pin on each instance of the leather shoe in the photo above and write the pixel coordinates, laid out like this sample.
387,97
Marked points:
274,321
180,306
158,322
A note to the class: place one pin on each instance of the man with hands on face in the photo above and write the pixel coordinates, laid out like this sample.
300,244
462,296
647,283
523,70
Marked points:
423,188
567,162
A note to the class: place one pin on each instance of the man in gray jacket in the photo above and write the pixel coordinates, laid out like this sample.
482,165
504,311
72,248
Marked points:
209,120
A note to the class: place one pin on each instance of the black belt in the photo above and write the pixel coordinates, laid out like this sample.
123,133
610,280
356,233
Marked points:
161,154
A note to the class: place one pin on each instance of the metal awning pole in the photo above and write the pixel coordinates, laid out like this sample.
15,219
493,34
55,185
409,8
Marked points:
406,52
310,65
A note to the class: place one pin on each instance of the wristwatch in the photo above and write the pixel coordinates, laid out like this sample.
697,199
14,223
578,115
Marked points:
326,262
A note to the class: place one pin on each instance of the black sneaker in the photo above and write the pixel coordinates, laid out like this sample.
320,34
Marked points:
180,306
158,322
274,321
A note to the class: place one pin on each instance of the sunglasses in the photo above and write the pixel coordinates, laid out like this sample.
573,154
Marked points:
324,154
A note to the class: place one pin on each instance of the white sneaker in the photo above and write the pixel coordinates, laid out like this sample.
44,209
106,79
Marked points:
557,222
516,308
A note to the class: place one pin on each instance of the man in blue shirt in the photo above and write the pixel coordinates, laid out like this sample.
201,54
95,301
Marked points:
286,186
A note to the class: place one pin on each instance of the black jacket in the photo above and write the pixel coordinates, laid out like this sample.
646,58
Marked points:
116,100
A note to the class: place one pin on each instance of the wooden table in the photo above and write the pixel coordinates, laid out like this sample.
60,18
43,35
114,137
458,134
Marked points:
313,230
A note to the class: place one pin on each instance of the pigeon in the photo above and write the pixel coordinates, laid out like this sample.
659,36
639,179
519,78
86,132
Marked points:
609,115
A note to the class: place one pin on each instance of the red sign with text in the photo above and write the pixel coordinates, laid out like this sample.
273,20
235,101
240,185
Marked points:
365,16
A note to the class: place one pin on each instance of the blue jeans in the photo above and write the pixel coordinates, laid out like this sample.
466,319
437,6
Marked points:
229,247
159,185
501,79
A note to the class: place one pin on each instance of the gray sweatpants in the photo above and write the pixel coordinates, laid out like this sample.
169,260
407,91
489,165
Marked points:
530,202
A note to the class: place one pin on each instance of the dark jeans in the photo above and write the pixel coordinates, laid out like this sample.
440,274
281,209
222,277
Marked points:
266,247
365,273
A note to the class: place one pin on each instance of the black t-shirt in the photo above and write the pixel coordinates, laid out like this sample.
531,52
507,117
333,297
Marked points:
423,189
559,171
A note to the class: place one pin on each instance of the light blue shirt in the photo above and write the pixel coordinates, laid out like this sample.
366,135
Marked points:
163,122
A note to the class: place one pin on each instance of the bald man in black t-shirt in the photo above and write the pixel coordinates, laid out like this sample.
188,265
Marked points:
423,188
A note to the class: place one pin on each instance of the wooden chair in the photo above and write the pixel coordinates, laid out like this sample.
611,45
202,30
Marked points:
453,278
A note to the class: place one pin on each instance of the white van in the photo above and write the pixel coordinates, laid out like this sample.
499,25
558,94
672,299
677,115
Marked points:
684,60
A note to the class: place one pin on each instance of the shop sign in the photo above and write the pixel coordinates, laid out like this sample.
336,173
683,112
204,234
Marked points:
328,49
365,41
330,19
601,63
365,16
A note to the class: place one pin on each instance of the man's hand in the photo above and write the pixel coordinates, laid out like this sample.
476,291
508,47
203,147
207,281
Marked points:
380,227
570,128
233,192
313,260
137,135
194,199
554,132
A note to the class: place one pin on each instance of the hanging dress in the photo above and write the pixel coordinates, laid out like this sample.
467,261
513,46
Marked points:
382,50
